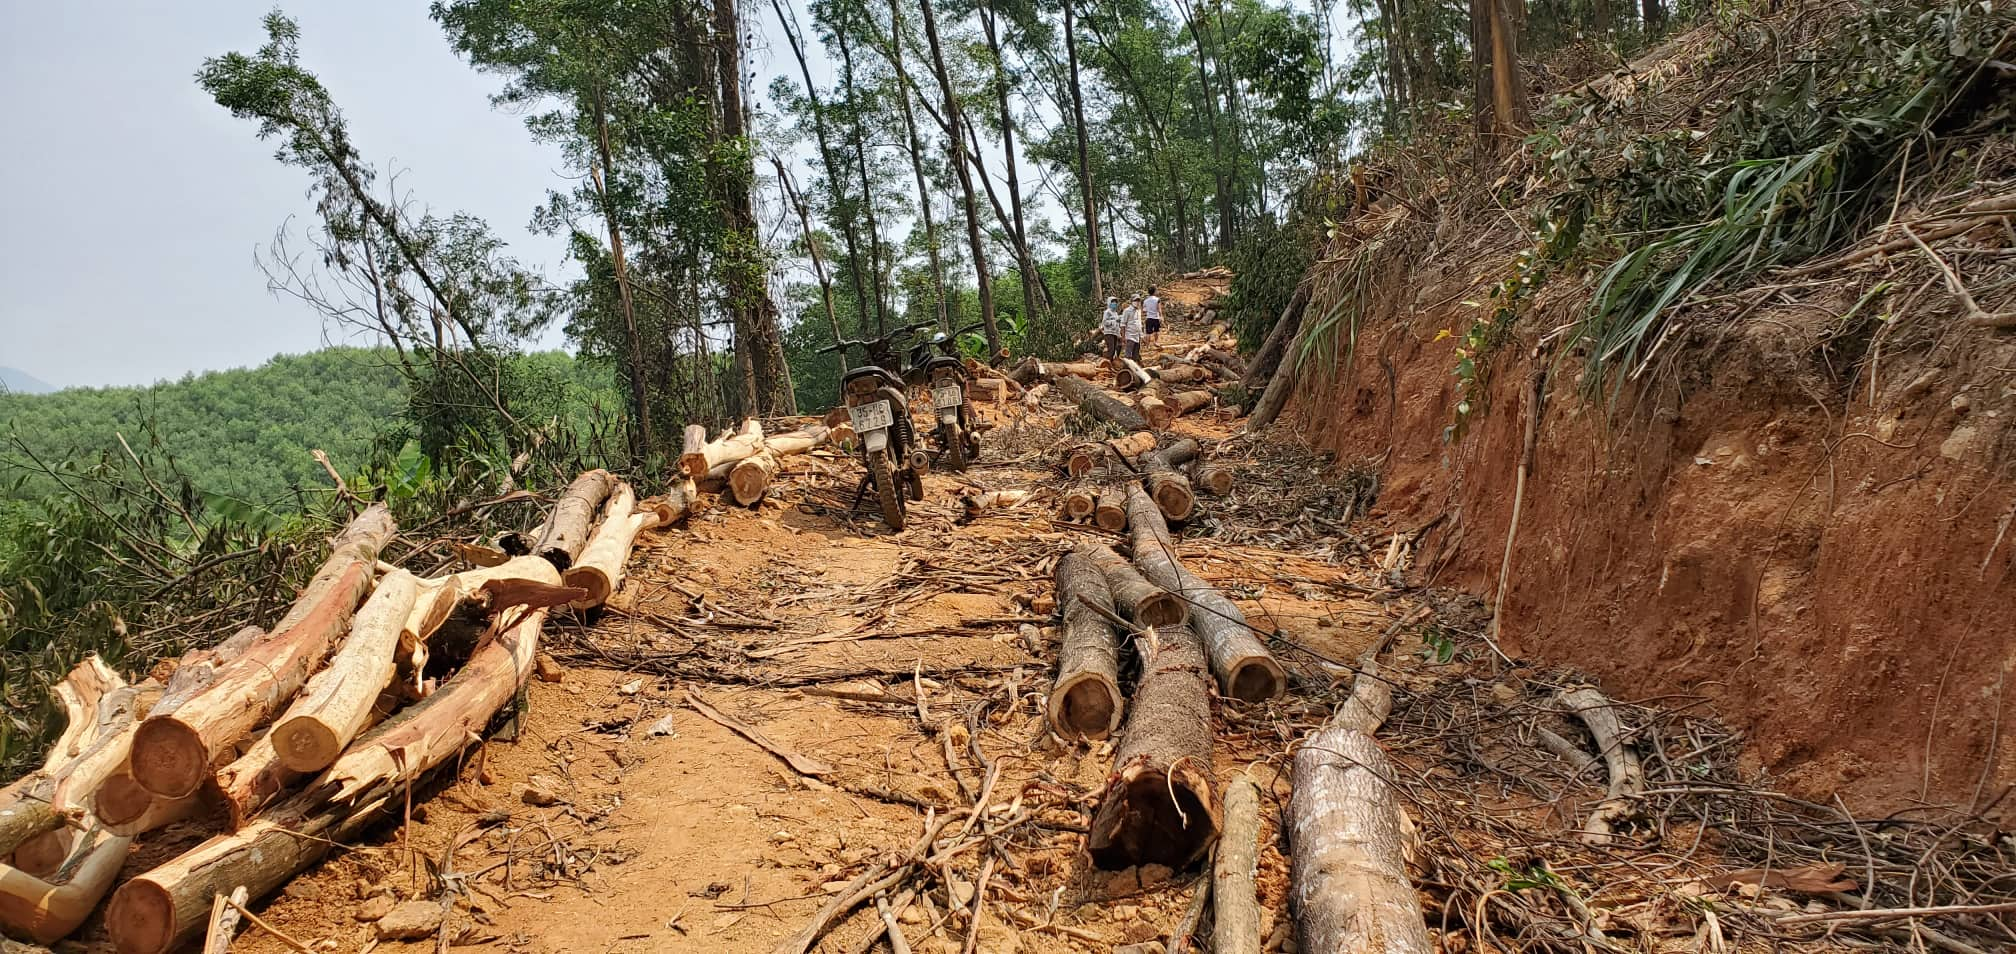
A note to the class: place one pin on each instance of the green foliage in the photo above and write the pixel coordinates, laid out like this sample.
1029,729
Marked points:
1267,264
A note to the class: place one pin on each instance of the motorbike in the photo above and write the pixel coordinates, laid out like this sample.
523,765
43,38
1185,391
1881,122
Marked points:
878,405
944,373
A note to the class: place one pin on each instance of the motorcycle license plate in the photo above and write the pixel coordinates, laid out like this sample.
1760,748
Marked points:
946,395
871,417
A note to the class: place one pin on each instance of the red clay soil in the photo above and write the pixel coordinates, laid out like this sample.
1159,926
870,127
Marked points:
1831,574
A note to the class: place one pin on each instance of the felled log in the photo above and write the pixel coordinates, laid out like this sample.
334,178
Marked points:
1245,670
198,669
126,808
1157,413
1130,375
979,502
1085,701
1159,806
750,477
172,753
1225,364
1235,911
333,706
1286,328
600,571
1079,501
1101,404
1183,402
1027,373
1347,872
1183,374
1110,512
43,854
1167,408
699,461
1627,776
44,912
1136,598
153,911
1085,458
566,531
1166,484
1033,397
98,713
1213,479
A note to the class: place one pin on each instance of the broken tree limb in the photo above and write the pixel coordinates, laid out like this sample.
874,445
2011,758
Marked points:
1110,511
1101,404
98,712
1235,913
1627,777
1130,375
1348,870
172,754
45,913
1085,701
1159,805
224,918
1286,328
1245,669
700,462
567,530
600,571
334,705
1143,602
750,477
1166,484
1085,458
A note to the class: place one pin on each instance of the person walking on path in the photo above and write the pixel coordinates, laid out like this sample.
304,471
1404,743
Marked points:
1131,328
1109,330
1151,309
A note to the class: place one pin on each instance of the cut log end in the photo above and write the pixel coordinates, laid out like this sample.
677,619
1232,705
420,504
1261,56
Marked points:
306,744
1256,679
1161,609
169,757
1085,706
594,583
1174,499
1153,817
141,918
119,801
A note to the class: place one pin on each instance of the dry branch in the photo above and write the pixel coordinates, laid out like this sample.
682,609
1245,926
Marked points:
1236,906
1627,777
1159,806
1085,702
98,712
1245,670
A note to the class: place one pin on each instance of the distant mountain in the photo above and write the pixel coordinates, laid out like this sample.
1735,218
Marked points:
21,382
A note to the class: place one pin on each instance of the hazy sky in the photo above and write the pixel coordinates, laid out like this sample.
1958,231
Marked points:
130,203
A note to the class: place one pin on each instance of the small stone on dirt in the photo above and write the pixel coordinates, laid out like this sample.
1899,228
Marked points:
631,688
662,727
548,668
410,921
374,907
1141,932
540,791
305,890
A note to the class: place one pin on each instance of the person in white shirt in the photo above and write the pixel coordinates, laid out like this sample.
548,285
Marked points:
1151,309
1109,329
1130,328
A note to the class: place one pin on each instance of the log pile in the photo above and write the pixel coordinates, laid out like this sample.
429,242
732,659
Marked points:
348,722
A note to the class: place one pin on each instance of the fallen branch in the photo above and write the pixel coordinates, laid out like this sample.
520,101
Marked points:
1235,913
566,532
1101,404
1627,777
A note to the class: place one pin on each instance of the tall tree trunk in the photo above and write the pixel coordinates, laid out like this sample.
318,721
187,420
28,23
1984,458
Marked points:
954,121
875,254
748,284
1654,13
1084,154
917,165
1499,87
1218,168
818,261
640,402
1029,278
834,179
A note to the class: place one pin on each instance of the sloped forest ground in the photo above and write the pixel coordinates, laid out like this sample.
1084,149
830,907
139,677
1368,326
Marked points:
781,699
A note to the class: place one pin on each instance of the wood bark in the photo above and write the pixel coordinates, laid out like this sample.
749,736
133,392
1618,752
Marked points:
1136,598
600,571
224,918
99,710
1085,701
1183,374
1101,404
333,707
1627,776
1286,328
46,913
1166,484
746,440
1348,878
198,669
567,530
172,754
1245,670
1213,479
1110,511
955,119
746,279
1235,912
1085,458
1159,806
1156,411
750,478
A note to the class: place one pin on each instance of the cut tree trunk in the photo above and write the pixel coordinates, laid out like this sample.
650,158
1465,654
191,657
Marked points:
1627,777
1347,875
1141,601
1286,328
1166,484
1184,374
1085,702
332,708
1159,806
1080,501
1085,458
1245,670
1101,404
199,669
600,571
1213,479
1110,513
567,530
172,754
1226,363
126,808
750,478
46,913
700,462
1155,411
1131,375
43,854
98,714
1235,912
